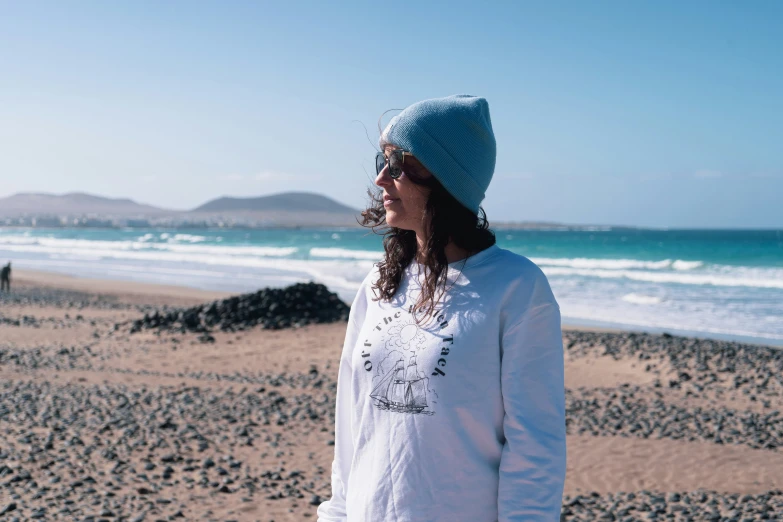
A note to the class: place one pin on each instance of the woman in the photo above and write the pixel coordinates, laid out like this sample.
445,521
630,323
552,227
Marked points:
450,398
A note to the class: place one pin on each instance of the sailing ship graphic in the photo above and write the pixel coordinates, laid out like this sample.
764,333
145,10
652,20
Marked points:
403,389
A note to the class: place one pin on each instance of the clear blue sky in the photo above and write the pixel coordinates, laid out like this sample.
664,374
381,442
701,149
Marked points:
664,114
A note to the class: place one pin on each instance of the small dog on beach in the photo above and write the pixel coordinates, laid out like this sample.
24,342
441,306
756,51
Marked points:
5,278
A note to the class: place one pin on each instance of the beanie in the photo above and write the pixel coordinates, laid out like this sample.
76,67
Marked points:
452,137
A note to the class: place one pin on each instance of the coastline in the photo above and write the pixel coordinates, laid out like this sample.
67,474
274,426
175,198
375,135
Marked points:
603,279
129,290
143,291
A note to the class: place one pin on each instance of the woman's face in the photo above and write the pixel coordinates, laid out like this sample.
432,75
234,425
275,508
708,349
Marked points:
403,200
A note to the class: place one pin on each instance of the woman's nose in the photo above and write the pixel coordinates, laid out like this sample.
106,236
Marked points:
383,178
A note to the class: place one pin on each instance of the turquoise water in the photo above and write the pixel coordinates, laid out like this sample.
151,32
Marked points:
712,283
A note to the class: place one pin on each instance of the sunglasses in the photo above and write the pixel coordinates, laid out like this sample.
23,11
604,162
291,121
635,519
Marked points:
395,160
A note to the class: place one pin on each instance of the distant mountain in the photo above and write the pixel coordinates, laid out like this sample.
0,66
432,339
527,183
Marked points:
73,203
285,202
288,209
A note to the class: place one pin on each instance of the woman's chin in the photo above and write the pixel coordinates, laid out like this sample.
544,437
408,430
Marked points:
393,219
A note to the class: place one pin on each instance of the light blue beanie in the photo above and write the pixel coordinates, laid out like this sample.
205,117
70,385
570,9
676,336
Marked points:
452,137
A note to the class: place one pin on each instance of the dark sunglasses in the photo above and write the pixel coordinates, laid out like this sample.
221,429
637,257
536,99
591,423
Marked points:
395,160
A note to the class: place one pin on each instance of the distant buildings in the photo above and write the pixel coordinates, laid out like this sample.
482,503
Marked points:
175,221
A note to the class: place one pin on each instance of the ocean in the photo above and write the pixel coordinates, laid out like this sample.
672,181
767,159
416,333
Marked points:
723,284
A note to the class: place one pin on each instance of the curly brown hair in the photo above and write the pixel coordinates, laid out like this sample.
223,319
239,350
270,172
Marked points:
448,220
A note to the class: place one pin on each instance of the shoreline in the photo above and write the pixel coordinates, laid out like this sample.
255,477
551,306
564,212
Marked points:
110,286
186,295
692,293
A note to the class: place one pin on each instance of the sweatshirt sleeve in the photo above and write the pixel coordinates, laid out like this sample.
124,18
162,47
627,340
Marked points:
334,510
533,460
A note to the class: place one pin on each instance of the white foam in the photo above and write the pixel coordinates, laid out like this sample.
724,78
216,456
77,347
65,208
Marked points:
56,245
641,299
189,238
775,279
680,321
615,264
338,272
596,229
686,265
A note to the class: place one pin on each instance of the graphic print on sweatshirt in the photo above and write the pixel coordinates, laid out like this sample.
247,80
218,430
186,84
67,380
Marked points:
405,359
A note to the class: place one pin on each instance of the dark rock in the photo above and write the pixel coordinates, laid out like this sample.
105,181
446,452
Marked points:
271,308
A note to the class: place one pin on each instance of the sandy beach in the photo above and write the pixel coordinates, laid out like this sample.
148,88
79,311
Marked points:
97,423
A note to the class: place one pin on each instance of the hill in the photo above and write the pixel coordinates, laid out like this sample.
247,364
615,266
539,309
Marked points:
285,202
73,203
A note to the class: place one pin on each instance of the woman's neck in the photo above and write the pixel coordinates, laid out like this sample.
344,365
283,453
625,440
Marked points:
452,251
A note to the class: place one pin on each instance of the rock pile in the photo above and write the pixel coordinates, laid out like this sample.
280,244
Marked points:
270,308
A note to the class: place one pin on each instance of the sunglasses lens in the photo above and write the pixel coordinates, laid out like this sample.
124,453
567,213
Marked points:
395,164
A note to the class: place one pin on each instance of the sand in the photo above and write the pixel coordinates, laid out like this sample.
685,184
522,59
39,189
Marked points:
78,345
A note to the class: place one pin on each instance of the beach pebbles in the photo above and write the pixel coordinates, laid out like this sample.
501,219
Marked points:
148,443
59,298
110,452
269,308
687,506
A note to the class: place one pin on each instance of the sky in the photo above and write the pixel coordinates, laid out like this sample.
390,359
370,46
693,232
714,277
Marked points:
654,114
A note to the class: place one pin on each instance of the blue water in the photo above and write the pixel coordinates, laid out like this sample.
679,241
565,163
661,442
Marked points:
724,284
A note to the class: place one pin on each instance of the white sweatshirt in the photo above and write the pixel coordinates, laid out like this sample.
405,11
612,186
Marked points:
461,418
